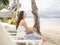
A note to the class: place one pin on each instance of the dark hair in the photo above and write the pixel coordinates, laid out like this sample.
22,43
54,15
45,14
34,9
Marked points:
20,17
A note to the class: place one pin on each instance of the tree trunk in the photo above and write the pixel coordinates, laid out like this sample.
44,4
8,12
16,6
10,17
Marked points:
17,4
34,11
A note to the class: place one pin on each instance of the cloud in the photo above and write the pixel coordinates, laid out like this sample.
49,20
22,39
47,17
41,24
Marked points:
42,5
45,4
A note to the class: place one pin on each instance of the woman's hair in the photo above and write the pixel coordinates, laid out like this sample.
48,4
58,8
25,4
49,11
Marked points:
20,17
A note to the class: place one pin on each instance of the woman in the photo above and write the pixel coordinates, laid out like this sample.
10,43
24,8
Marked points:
23,31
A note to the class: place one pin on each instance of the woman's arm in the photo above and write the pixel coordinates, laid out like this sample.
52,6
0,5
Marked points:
29,29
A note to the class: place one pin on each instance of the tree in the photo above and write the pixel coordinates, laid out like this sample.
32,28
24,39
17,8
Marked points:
2,6
34,11
4,2
15,6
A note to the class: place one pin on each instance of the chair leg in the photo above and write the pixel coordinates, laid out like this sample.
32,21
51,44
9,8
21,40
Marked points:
33,43
40,42
26,43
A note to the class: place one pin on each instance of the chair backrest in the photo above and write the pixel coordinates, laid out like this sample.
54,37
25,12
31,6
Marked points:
4,37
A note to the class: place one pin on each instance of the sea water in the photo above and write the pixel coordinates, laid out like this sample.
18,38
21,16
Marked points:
44,21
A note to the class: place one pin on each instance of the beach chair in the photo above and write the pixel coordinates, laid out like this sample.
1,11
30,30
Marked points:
8,37
4,37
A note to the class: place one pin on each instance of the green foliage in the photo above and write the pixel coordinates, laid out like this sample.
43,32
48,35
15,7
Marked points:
10,17
5,2
2,18
2,6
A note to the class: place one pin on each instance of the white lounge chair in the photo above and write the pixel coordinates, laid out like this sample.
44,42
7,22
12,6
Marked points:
7,39
4,37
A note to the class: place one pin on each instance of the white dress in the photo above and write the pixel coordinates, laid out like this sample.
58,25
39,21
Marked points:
21,32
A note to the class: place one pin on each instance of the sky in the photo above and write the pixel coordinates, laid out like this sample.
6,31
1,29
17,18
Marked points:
42,5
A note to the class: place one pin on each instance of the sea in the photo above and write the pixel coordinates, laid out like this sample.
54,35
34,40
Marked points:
44,21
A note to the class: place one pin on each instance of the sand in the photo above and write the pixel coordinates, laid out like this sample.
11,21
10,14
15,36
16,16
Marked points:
53,33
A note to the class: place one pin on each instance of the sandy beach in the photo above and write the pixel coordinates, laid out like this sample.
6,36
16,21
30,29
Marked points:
52,31
48,12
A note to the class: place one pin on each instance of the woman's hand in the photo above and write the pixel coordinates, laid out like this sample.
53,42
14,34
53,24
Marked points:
35,29
31,30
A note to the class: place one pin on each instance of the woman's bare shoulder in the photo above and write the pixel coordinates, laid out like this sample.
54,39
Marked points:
23,22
